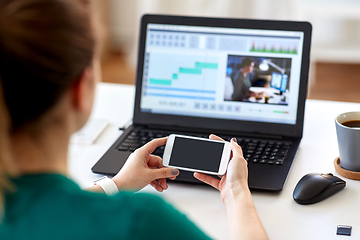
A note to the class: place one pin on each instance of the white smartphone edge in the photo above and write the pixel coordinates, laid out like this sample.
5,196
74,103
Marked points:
225,157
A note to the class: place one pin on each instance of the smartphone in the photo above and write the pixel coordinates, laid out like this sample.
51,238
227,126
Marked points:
197,154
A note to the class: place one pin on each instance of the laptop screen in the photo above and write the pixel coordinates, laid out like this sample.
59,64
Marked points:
222,73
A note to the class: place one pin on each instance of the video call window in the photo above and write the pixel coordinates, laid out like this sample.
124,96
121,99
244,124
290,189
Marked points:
263,80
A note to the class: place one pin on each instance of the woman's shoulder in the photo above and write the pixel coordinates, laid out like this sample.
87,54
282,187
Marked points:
57,208
52,202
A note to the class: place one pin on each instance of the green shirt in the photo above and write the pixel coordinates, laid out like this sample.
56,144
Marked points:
51,206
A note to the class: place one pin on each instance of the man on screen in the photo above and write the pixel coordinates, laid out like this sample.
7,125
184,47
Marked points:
242,83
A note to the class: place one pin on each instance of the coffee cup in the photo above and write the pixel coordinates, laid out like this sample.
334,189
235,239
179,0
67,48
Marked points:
266,98
348,136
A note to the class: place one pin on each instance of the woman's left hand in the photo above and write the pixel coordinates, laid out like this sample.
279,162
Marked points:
142,168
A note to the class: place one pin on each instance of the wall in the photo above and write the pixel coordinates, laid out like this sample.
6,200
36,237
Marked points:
336,28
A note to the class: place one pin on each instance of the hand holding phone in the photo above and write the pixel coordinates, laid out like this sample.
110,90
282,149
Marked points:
236,176
143,168
197,154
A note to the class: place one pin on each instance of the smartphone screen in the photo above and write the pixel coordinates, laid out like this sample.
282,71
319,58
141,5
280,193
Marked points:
196,154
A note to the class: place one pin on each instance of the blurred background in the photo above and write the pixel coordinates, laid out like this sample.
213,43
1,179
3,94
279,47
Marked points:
335,51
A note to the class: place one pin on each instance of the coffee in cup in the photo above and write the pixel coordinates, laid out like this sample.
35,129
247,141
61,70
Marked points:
348,135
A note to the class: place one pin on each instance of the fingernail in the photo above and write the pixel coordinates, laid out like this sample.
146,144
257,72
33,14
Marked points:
234,139
175,172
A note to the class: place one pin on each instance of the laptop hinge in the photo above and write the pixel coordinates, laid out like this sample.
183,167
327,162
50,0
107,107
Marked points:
208,131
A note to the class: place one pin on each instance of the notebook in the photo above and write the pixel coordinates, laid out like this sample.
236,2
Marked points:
231,77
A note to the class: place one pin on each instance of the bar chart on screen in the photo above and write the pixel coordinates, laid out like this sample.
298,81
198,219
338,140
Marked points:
180,76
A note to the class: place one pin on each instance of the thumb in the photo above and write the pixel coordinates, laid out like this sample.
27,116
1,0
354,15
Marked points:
235,148
165,173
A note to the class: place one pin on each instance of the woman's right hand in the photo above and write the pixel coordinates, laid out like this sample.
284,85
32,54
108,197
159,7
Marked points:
235,179
243,220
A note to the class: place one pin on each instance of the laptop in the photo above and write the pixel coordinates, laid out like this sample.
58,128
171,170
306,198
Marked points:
190,71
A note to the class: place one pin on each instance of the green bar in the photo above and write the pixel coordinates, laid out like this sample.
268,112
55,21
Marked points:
175,76
206,65
160,81
280,112
274,51
190,70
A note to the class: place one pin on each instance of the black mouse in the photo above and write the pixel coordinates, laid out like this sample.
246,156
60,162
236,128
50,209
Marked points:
315,187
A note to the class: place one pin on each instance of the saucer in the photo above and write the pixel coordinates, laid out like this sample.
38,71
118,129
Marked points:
345,173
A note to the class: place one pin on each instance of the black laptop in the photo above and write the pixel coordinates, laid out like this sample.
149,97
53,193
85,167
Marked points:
188,82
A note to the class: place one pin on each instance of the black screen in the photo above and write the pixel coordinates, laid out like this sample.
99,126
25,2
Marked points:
196,154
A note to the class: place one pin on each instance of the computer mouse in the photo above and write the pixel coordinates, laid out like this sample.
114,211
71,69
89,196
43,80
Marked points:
315,187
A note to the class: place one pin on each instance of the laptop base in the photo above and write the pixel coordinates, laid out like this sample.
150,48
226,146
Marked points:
262,176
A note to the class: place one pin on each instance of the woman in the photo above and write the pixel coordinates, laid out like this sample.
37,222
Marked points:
48,69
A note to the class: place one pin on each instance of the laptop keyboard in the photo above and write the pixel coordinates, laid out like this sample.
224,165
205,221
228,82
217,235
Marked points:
254,150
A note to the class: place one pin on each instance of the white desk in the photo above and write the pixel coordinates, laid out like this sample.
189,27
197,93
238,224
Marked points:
281,216
270,92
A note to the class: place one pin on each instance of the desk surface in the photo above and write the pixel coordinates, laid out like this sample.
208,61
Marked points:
272,93
281,216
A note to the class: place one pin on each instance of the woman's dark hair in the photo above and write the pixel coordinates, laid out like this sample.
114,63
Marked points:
45,45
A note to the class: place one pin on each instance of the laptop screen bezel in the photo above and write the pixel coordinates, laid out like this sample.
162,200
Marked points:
236,126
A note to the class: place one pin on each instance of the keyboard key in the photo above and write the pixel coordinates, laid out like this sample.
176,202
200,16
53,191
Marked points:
132,149
133,134
124,144
131,141
123,148
282,153
130,144
279,161
132,137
